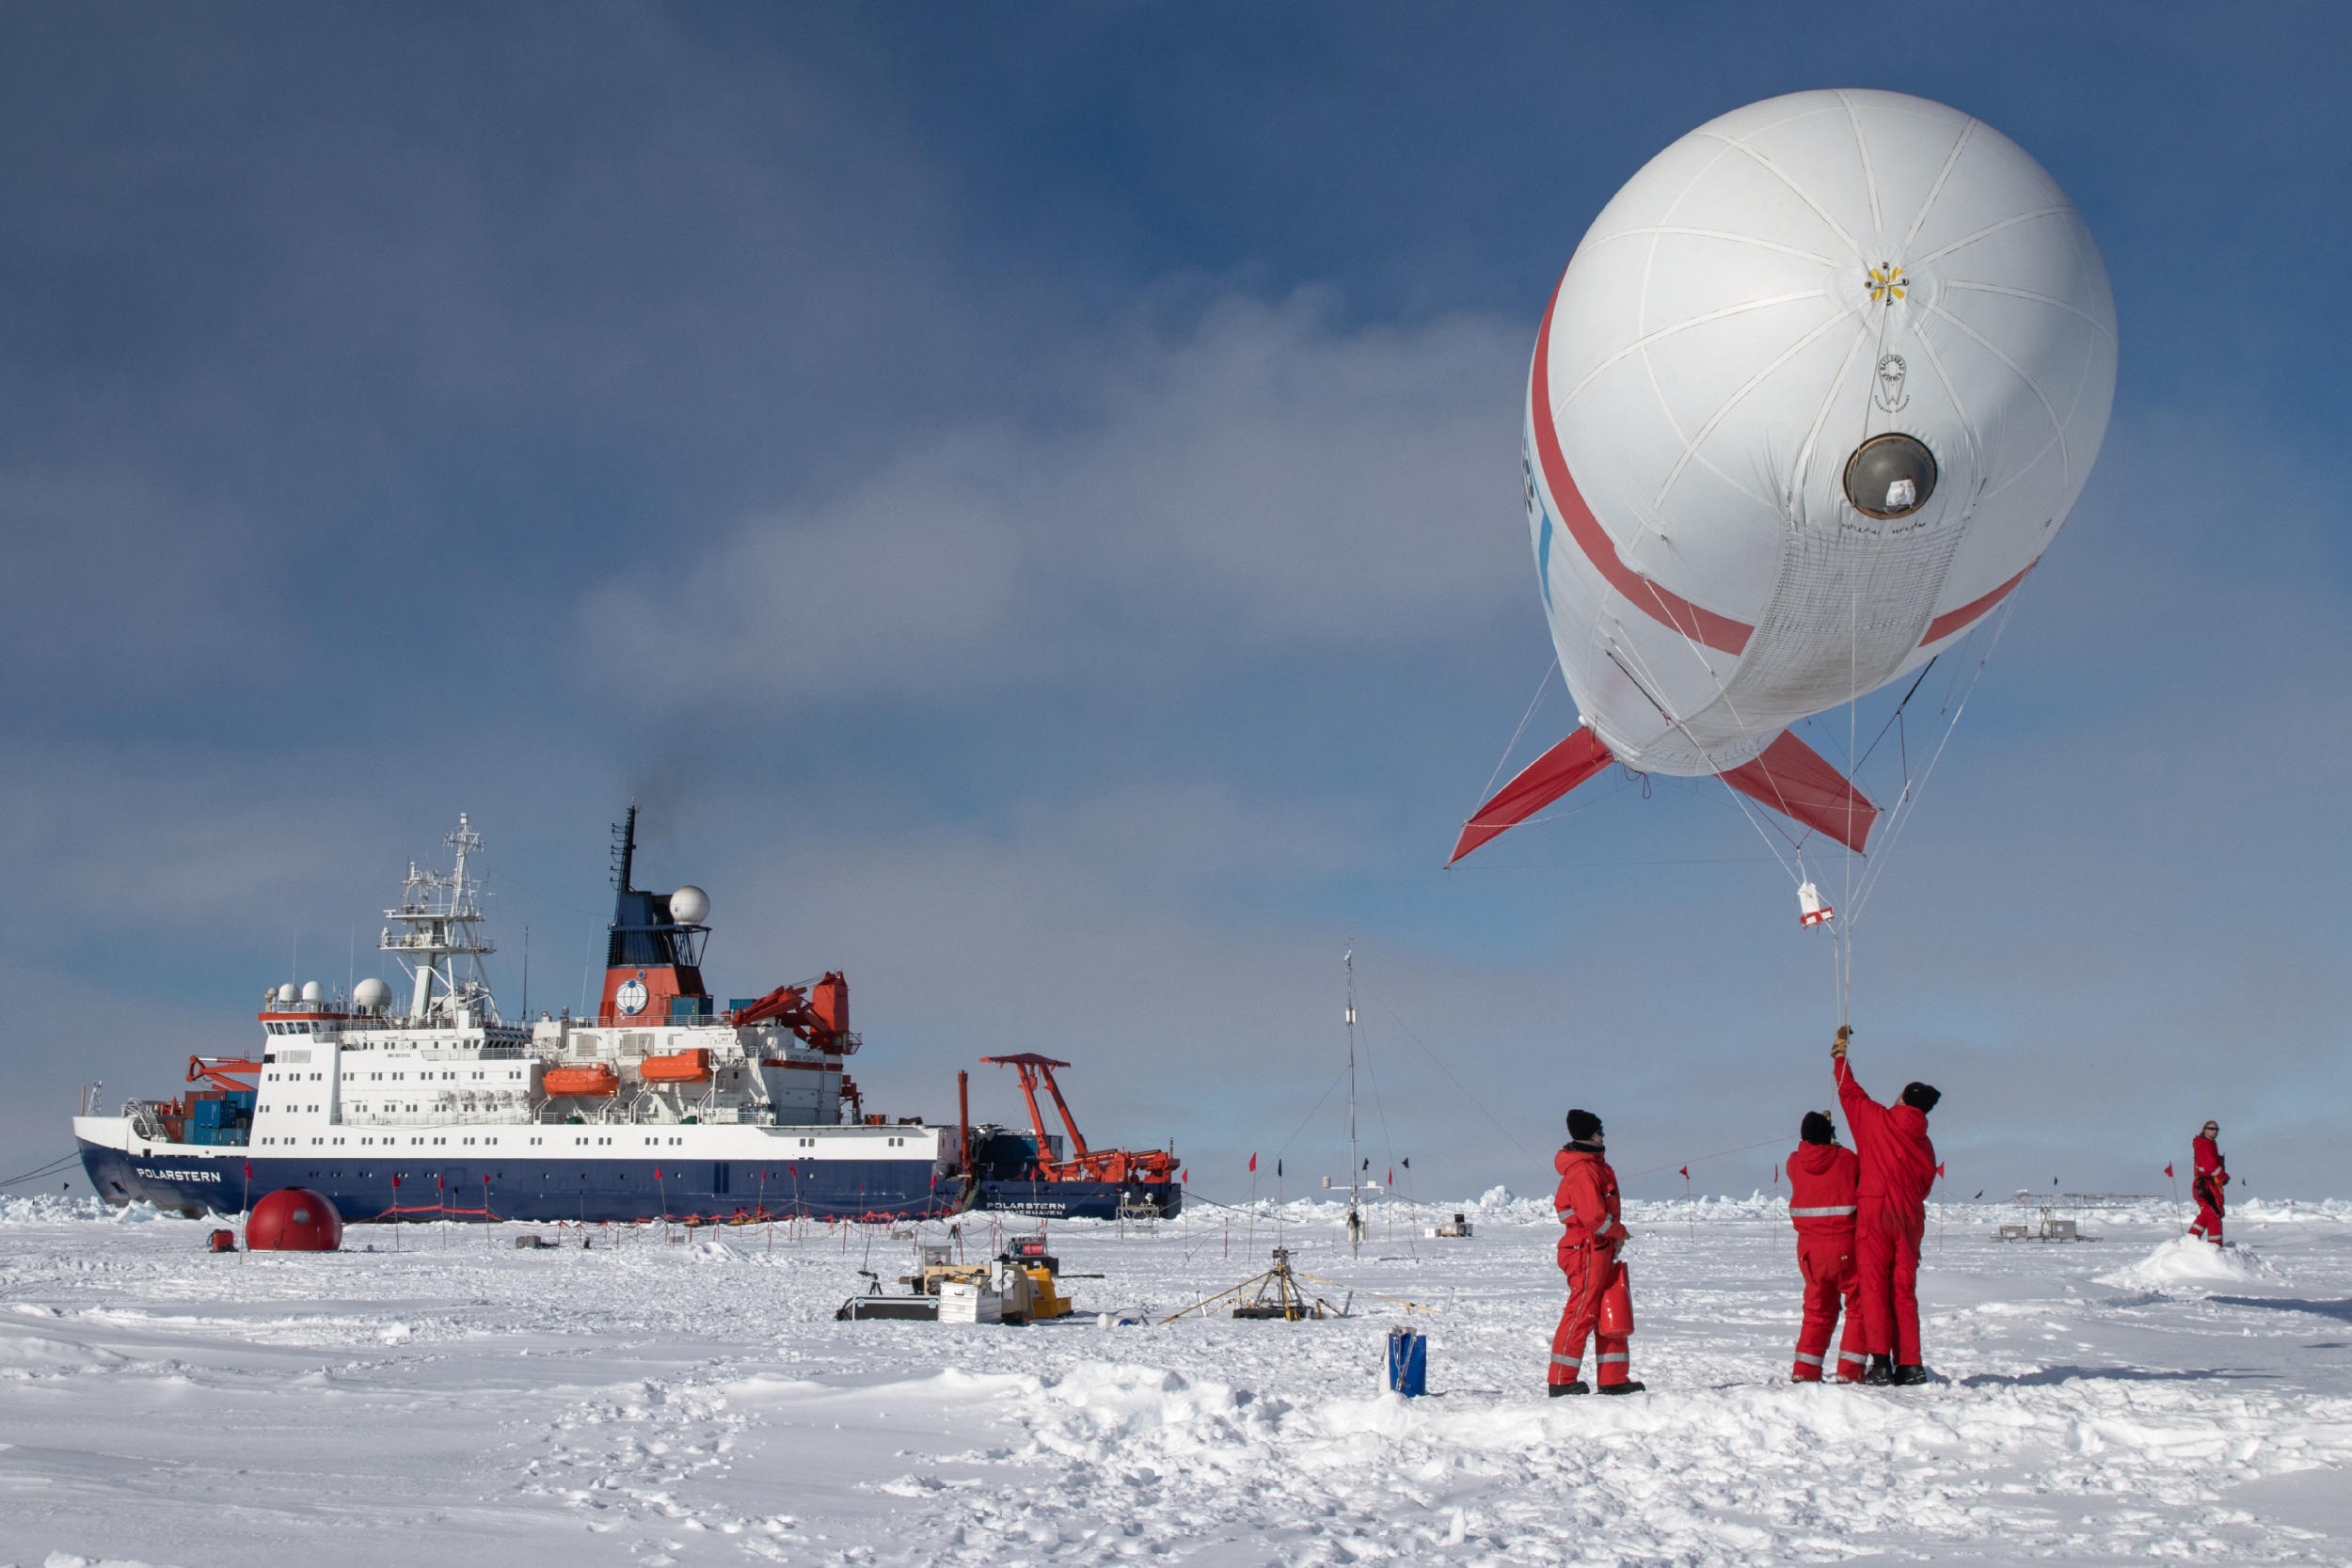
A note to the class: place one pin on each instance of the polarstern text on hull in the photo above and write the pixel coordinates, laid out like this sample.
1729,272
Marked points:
662,1105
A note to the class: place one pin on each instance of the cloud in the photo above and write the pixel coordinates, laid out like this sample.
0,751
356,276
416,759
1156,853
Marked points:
1266,479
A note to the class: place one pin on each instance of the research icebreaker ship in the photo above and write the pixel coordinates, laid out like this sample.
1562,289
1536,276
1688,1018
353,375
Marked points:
661,1106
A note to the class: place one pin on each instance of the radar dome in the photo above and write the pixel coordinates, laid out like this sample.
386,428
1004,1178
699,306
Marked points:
689,905
371,995
287,992
313,992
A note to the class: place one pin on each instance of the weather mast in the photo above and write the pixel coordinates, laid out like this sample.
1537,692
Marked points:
1356,1226
442,948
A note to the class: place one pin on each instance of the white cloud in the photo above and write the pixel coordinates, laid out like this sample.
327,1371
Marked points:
1268,480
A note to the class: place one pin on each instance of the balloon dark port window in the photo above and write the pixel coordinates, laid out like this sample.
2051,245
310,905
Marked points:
1890,476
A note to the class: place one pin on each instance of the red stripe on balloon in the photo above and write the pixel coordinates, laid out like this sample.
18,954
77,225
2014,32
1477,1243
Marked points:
1953,620
1662,604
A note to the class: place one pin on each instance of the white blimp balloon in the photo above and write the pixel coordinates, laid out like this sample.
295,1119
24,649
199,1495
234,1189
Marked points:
1818,386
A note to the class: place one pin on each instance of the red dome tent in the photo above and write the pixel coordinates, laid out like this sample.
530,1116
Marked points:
293,1219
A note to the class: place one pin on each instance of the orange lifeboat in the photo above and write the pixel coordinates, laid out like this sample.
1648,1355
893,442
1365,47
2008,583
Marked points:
597,1079
683,1067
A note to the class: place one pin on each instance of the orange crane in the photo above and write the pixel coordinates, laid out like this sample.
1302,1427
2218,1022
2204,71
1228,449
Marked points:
1084,1165
222,1073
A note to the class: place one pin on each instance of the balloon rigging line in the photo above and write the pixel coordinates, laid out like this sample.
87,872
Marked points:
1621,786
1388,1145
1912,796
1795,876
1487,794
1310,1115
1440,1063
1699,1159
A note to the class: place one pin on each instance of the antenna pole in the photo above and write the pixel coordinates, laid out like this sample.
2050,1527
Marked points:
1355,1215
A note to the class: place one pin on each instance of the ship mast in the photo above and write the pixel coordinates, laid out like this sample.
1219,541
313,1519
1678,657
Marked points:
1355,1214
441,914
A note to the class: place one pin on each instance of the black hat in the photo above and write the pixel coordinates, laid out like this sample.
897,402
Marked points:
1583,1127
1921,1098
1818,1129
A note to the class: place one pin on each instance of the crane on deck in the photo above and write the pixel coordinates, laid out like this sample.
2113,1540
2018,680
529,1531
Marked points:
1084,1163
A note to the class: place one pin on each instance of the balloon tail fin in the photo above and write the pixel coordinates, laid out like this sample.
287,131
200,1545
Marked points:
1536,786
1799,783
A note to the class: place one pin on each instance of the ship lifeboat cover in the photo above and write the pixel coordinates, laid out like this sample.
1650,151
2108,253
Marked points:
682,1066
598,1079
293,1219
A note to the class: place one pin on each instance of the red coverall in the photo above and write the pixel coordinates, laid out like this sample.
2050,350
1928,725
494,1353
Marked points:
1898,1168
1586,1202
1823,1180
2210,1178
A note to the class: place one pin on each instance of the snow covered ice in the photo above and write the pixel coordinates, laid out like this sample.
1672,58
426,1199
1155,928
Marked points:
654,1401
2191,1260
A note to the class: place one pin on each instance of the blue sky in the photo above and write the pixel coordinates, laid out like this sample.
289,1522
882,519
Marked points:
1025,498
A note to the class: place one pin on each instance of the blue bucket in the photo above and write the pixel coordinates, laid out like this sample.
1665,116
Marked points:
1409,1362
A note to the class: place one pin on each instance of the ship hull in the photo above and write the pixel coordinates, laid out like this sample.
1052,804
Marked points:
1078,1200
196,1181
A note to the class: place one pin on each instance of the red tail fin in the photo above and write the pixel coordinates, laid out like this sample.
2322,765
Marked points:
1795,781
1538,785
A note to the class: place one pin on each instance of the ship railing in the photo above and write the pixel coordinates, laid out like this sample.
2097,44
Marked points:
515,1116
486,1051
548,1114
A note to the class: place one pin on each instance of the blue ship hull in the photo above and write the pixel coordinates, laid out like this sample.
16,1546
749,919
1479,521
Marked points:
583,1191
1078,1200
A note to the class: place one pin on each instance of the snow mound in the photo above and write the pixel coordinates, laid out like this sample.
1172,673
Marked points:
2186,1261
1495,1198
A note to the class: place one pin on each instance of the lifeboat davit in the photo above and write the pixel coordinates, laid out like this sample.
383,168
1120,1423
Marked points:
682,1066
597,1080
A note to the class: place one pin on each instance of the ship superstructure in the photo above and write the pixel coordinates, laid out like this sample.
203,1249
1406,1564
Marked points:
662,1104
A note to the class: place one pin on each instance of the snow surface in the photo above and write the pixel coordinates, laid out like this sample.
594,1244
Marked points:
652,1400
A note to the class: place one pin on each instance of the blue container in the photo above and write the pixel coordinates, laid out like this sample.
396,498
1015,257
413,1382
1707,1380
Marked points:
1409,1362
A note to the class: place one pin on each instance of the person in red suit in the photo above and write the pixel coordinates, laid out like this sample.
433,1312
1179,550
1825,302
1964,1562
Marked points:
1586,1202
2209,1176
1898,1168
1823,1182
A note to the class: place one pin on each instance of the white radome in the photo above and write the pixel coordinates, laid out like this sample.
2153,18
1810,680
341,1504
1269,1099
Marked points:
288,995
1820,386
689,905
371,995
313,992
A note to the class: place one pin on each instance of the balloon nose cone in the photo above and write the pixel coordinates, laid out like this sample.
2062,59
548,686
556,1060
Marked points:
1890,476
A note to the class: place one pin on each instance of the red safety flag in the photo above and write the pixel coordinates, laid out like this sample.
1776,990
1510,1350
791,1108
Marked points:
248,1170
1391,1176
395,1183
1185,1175
1939,1171
1686,1173
656,1176
1253,1164
438,1183
2168,1170
1776,1173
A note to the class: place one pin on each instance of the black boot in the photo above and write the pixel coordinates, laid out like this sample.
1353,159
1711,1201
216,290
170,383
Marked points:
1881,1371
1578,1386
1622,1387
1906,1377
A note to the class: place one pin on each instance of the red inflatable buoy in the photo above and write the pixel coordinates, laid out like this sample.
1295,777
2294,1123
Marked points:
293,1219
